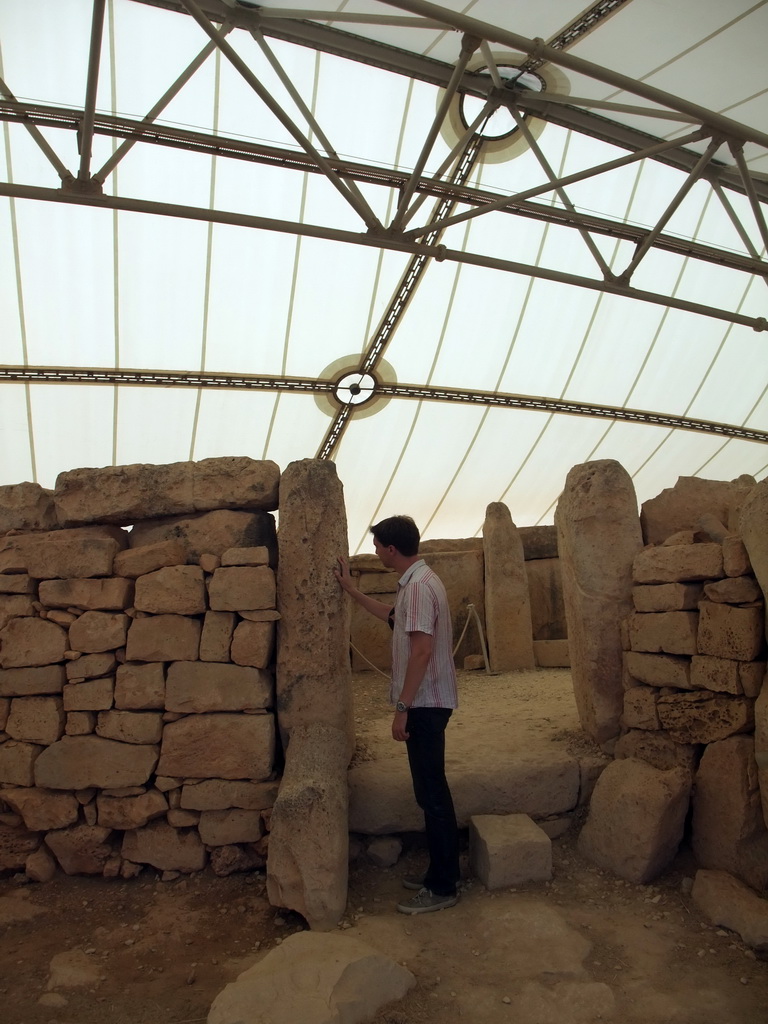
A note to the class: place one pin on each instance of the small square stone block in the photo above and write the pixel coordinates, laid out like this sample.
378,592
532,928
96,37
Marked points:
508,849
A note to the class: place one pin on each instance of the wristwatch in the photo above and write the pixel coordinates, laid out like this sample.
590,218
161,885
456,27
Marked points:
401,707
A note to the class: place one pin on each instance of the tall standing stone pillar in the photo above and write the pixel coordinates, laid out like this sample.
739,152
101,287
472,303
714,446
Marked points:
507,601
309,841
598,534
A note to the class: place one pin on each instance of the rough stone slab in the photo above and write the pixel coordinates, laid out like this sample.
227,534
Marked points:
26,506
678,563
130,812
735,558
680,507
704,717
80,849
659,669
36,720
259,614
736,590
226,827
225,860
80,723
5,710
91,695
28,682
246,556
78,762
753,527
761,745
253,644
26,643
129,494
63,554
17,584
130,726
667,632
545,585
508,624
40,866
657,749
242,587
198,686
667,597
139,686
13,605
216,637
219,746
91,666
726,631
164,638
718,674
640,710
371,636
17,762
113,594
222,794
137,561
165,848
349,982
551,653
210,533
508,850
16,844
42,809
95,632
173,590
636,819
539,542
729,903
751,676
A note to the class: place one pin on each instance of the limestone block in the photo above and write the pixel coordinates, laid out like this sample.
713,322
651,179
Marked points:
5,710
182,819
77,762
63,554
545,586
508,850
165,848
679,563
657,749
36,720
246,556
371,636
242,587
163,638
539,542
173,590
704,717
200,686
636,819
670,632
726,631
129,812
640,708
113,594
680,507
17,584
598,538
210,533
221,794
761,746
40,866
28,682
26,506
667,597
91,695
80,723
91,666
753,527
80,849
349,982
130,726
729,903
728,831
508,625
735,558
376,581
218,746
140,687
736,590
43,809
384,851
17,763
462,576
659,669
751,675
259,614
719,674
94,632
253,644
16,844
137,561
31,642
551,653
216,637
14,605
223,828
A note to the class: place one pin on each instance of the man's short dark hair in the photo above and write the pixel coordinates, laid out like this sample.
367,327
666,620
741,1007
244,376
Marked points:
399,531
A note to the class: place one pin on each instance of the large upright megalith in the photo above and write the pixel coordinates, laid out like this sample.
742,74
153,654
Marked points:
599,534
507,601
308,846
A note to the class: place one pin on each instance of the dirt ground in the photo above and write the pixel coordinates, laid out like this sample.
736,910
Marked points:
581,949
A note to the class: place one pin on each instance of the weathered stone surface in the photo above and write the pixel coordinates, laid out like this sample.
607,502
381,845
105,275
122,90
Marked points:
27,682
80,723
174,590
259,614
129,812
223,828
26,506
508,849
5,710
726,631
63,554
246,556
729,903
728,831
130,726
31,642
253,644
668,632
77,762
679,563
551,653
659,669
370,636
348,982
91,666
216,637
211,532
221,794
40,865
751,675
17,763
17,584
129,494
735,558
13,605
736,590
36,720
42,809
164,847
113,594
640,708
16,844
539,542
636,819
384,851
761,745
91,695
682,506
753,527
225,860
719,674
80,849
200,686
704,717
139,686
218,746
163,638
598,538
242,587
545,586
508,624
136,561
667,597
94,632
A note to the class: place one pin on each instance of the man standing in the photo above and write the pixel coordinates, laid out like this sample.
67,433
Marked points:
423,690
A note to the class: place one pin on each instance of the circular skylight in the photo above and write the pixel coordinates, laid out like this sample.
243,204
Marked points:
355,388
500,124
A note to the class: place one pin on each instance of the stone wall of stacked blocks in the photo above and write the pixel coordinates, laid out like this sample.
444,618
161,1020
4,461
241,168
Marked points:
137,701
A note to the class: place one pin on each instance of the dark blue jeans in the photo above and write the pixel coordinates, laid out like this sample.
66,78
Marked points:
426,756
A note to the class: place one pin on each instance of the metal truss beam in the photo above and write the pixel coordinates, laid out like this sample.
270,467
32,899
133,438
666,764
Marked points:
311,385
